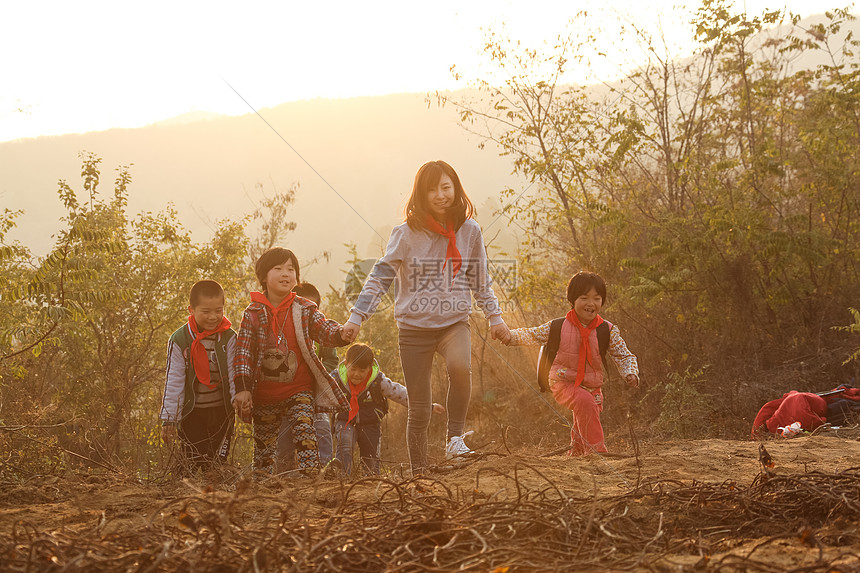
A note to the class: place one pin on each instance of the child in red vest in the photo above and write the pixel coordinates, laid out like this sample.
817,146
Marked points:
576,375
278,374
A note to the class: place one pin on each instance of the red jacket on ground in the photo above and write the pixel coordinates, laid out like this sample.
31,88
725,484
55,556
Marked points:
805,407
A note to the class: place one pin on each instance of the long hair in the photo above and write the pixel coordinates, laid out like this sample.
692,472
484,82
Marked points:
428,176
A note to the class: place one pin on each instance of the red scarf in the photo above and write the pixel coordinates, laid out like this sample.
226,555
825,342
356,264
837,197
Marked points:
451,252
279,313
584,345
199,358
355,390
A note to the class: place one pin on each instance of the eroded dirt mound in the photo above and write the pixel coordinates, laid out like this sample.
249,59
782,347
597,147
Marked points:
678,505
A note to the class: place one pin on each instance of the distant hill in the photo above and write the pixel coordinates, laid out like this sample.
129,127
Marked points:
367,150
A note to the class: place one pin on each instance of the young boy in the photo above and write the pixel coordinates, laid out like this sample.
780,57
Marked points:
576,375
322,420
278,375
196,406
368,391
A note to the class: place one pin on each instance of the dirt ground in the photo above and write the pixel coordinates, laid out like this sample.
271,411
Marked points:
102,508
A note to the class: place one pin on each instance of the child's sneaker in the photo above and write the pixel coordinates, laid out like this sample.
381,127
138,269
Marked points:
333,470
457,447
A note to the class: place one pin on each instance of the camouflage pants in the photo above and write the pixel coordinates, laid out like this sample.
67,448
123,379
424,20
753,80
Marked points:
299,413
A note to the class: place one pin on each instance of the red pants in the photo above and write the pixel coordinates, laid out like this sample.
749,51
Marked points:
586,434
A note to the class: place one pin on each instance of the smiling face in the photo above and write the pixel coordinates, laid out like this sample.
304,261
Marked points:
356,374
440,198
208,312
587,306
280,281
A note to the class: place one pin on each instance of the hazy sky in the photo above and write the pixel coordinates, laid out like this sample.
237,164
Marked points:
82,66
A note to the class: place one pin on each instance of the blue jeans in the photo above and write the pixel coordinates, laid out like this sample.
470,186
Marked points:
368,437
287,450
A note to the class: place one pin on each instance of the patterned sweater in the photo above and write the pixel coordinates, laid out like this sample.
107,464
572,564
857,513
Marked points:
310,324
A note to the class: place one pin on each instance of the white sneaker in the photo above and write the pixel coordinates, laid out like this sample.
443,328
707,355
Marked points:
457,447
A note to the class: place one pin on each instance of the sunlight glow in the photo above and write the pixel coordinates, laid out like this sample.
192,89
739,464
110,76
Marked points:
76,67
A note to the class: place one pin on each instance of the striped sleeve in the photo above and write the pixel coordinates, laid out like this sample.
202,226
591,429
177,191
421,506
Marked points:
231,366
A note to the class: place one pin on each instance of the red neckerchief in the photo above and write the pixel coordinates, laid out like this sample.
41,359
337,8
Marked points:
584,346
279,313
355,390
199,358
451,252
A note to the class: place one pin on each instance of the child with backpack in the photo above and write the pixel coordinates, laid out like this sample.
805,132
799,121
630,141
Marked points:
575,347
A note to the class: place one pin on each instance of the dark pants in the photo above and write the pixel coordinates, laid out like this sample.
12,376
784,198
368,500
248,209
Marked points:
368,437
205,435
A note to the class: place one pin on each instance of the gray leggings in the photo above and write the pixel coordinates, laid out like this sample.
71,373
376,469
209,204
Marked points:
417,347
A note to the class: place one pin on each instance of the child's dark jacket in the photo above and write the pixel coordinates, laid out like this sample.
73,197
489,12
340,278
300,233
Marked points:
373,401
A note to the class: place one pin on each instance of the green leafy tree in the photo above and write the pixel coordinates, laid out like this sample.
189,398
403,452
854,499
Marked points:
717,195
98,310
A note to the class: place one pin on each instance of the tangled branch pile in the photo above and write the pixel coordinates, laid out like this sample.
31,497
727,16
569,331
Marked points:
376,524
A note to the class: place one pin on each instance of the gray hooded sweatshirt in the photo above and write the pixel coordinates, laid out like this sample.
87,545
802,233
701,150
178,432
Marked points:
425,296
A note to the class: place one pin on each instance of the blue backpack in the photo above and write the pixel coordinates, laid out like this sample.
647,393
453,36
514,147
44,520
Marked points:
547,353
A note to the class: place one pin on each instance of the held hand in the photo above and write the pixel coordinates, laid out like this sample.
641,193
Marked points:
243,404
168,433
501,332
349,332
633,380
438,408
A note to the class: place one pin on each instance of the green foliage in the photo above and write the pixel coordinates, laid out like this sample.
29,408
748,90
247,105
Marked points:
717,196
271,217
853,328
84,328
684,409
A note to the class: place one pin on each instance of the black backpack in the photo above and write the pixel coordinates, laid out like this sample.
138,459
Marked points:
547,353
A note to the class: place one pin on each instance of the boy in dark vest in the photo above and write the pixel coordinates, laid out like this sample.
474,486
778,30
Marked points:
368,391
199,390
576,373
